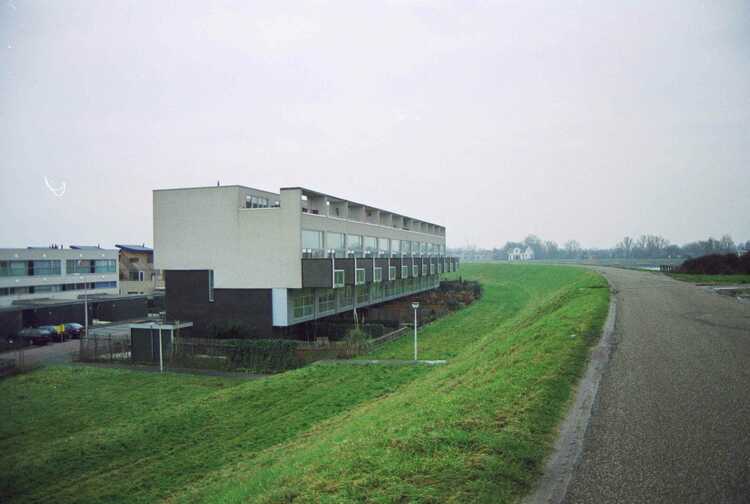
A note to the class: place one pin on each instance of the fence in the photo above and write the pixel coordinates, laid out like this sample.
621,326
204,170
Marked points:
257,356
105,348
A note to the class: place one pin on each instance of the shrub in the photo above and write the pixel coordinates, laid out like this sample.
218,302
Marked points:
717,264
357,342
264,356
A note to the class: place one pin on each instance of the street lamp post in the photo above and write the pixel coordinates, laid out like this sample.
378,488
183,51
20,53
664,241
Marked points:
415,305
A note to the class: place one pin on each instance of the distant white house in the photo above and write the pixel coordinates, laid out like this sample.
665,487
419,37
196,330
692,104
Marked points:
517,255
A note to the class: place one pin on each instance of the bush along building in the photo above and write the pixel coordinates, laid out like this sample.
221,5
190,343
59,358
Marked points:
237,256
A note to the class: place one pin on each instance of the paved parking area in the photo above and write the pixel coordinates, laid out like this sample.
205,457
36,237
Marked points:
59,353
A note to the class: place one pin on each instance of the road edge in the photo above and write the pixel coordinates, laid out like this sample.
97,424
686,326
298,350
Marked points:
552,486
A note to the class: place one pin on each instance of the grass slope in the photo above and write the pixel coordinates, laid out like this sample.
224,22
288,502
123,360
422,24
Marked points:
475,430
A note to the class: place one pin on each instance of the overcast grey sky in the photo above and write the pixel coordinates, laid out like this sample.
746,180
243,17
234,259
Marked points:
585,120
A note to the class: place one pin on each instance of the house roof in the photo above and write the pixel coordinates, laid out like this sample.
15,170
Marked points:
85,247
134,248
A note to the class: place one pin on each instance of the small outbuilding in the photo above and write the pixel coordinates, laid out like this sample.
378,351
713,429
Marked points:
145,337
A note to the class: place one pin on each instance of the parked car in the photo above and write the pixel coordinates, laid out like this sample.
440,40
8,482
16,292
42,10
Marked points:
73,329
35,336
57,332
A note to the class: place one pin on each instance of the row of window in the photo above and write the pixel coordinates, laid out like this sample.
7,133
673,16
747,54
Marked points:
43,289
259,202
339,276
303,301
316,243
53,267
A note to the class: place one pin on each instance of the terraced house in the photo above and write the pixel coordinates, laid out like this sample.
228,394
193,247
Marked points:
270,260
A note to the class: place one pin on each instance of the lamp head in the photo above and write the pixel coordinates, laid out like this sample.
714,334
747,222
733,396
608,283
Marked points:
415,305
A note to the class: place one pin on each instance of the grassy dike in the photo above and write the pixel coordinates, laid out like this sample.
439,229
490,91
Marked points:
474,430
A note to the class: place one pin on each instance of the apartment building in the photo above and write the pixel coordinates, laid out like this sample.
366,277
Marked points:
234,254
137,273
55,273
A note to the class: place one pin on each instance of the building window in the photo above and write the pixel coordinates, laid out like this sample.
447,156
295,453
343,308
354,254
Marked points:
359,276
4,291
77,266
303,303
415,270
432,268
47,288
377,275
384,246
105,285
396,247
363,294
133,260
256,202
338,278
415,248
371,245
424,270
335,242
44,268
354,244
105,266
391,273
347,296
327,301
210,286
376,292
312,243
404,271
14,268
405,247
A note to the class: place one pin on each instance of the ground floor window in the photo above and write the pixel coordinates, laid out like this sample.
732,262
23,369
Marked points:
347,296
327,301
363,294
303,303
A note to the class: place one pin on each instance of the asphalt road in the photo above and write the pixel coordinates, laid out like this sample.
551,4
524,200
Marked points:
672,417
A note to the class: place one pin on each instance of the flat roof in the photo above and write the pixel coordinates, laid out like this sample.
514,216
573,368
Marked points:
337,198
216,187
134,248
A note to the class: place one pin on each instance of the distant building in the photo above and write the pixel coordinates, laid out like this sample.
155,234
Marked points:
137,273
55,273
517,255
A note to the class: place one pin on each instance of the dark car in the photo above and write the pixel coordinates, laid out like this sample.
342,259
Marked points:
73,329
57,332
34,336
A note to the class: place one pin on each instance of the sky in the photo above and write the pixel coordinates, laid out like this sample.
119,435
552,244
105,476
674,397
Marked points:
569,120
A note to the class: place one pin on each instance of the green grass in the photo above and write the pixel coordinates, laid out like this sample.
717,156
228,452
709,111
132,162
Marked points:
711,279
474,430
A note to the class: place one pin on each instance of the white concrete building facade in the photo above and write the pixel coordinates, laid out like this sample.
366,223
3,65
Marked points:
283,258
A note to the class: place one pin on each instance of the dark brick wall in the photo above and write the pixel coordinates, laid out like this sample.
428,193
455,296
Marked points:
317,273
187,299
10,323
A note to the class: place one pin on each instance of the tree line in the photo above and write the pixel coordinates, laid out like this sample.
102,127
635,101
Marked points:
646,246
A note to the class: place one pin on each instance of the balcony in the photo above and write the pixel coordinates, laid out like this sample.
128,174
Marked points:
319,272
